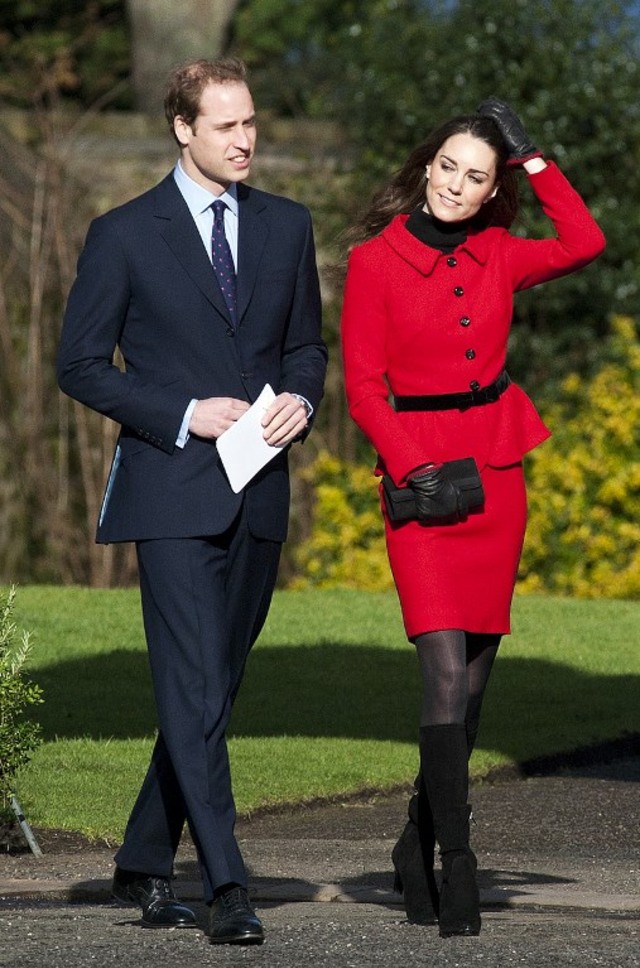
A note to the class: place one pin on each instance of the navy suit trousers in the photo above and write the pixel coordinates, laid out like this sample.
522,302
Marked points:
204,602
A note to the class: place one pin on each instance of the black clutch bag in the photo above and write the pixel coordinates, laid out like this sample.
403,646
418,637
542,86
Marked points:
400,502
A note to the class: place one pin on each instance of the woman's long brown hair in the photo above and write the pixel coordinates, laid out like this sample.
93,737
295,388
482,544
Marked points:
406,190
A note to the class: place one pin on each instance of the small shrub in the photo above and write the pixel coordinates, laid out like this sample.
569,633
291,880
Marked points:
19,737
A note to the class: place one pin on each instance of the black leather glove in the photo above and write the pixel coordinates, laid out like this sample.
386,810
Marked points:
519,145
436,496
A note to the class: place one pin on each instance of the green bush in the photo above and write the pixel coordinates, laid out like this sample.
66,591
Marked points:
583,536
19,737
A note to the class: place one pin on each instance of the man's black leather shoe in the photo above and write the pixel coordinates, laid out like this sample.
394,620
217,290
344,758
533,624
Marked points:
232,920
160,907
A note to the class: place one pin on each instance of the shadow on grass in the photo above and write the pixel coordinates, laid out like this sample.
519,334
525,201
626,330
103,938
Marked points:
331,690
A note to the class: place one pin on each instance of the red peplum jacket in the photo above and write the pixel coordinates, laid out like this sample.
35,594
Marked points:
416,321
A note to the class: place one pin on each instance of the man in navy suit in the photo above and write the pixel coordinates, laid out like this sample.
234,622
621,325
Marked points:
197,351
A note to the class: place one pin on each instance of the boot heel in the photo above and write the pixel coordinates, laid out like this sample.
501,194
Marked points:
459,897
397,883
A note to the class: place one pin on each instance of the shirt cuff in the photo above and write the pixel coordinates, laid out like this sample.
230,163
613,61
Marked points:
183,435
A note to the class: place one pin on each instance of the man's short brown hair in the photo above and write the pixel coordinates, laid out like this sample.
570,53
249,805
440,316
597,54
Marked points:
187,82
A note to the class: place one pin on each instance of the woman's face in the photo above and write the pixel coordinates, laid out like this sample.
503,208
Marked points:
461,178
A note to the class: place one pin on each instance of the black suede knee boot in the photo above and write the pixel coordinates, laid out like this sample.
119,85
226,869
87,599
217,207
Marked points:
445,771
412,855
412,859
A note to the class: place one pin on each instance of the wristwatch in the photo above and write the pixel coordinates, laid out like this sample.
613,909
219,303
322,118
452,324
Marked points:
305,403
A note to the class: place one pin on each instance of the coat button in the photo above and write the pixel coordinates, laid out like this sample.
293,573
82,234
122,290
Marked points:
470,354
458,291
465,321
474,385
452,261
230,332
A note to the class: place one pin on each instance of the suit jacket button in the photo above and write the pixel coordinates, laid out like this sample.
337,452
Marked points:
230,332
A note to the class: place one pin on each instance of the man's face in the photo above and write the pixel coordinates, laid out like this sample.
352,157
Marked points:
219,147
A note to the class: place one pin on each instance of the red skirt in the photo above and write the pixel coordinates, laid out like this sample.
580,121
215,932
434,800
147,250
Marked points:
462,576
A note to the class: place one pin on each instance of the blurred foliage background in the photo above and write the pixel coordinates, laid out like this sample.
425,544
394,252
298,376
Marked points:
80,50
355,84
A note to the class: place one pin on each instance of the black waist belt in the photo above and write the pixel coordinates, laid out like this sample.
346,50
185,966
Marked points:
456,401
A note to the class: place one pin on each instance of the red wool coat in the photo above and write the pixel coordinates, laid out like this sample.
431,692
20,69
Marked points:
416,321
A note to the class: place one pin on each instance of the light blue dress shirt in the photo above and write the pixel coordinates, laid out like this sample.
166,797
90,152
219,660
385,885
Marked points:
199,202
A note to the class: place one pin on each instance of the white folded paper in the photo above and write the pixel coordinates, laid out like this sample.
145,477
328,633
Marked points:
242,448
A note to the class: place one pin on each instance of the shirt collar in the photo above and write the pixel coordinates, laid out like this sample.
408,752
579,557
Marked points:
198,199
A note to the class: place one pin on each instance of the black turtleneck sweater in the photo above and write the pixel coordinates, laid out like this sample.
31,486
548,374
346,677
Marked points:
444,236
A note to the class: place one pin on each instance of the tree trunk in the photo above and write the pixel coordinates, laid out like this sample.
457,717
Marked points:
165,33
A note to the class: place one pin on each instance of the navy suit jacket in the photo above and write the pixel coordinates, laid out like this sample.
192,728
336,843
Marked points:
146,285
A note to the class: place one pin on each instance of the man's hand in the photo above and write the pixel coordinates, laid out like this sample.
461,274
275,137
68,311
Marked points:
211,417
285,419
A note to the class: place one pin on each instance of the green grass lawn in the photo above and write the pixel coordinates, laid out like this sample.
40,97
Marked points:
329,704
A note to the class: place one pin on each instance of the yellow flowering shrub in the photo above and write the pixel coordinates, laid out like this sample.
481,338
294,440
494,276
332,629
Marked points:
583,536
346,546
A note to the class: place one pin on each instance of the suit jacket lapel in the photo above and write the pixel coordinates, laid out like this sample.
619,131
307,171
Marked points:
177,228
252,237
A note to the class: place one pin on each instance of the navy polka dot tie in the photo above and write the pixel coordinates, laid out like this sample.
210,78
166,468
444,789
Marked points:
223,260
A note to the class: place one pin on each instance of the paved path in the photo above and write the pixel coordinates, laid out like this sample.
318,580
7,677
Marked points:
559,860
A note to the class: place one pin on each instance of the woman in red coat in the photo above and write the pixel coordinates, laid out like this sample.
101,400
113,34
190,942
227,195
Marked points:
427,311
